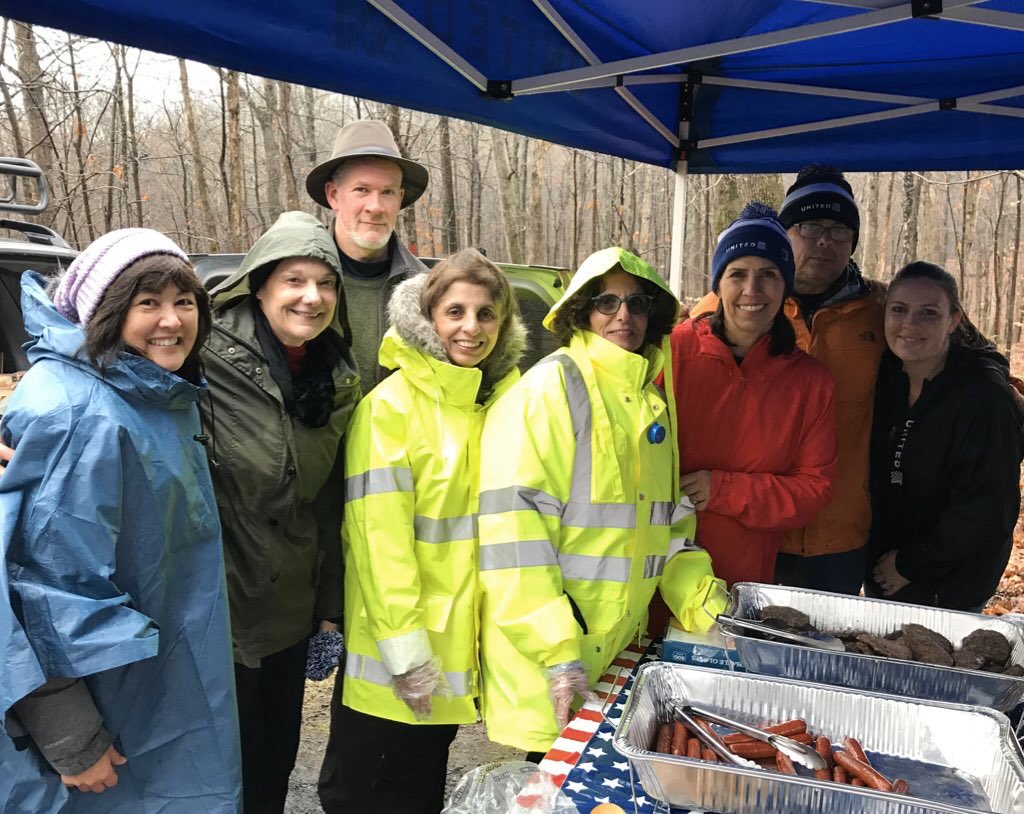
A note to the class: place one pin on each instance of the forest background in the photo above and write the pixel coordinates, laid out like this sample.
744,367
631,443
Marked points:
211,157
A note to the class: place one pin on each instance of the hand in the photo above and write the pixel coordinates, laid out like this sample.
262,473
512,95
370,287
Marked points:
98,777
415,687
697,487
6,453
325,626
565,681
885,574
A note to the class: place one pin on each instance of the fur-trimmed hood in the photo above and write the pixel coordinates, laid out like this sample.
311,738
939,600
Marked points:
417,332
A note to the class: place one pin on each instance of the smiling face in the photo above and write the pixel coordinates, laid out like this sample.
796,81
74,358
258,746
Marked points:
819,261
622,328
365,195
919,323
751,291
467,321
162,326
298,299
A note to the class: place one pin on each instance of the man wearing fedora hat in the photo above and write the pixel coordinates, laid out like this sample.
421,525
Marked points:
366,181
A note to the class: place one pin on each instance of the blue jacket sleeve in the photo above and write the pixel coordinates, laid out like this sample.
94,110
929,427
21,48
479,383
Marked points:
60,510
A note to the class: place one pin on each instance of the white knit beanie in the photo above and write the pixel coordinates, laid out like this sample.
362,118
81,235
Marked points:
88,277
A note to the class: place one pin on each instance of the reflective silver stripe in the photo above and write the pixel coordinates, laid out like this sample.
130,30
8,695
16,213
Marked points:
519,498
661,512
378,482
444,529
653,566
677,544
521,554
581,511
683,509
599,515
579,411
373,670
582,566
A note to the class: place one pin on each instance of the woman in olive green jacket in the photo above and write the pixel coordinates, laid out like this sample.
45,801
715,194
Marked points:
283,385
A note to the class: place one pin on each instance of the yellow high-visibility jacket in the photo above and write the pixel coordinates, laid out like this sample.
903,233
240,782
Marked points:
409,536
580,520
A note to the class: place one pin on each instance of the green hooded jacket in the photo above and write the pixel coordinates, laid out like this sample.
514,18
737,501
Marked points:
278,482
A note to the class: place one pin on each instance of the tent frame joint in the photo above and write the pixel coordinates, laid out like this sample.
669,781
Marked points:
947,104
498,89
925,8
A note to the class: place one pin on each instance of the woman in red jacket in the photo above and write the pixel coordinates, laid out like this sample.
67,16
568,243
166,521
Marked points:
757,428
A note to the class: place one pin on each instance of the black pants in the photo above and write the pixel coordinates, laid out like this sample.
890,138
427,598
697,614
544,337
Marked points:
386,767
270,717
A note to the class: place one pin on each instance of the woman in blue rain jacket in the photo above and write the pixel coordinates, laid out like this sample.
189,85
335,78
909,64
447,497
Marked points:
116,686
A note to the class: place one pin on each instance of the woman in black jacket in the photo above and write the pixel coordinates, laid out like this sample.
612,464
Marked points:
946,448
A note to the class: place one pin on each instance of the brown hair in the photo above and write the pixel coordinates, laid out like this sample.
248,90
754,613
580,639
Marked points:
575,311
965,333
469,266
153,273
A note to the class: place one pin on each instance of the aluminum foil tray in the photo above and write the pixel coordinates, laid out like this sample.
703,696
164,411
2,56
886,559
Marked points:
835,613
957,759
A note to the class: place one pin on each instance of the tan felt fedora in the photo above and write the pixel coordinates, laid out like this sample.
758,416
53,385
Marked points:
367,139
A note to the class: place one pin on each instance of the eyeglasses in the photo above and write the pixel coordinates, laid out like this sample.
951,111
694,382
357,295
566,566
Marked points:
837,233
609,304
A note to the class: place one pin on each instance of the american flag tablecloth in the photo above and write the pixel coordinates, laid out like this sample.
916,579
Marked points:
584,762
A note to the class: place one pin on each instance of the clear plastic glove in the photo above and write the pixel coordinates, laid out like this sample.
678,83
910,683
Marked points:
415,687
565,682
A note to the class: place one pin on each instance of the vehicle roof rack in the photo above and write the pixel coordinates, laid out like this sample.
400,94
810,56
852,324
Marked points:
16,168
35,233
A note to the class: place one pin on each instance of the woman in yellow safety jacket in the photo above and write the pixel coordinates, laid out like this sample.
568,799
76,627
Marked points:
580,509
409,535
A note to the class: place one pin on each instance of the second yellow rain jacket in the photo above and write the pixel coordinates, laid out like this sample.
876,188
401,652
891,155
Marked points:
410,532
581,518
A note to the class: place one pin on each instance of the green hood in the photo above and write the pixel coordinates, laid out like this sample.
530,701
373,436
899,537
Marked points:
602,262
294,234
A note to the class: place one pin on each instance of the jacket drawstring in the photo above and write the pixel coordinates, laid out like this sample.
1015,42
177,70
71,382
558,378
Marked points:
203,438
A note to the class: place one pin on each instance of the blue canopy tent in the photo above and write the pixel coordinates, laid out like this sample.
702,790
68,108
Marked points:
695,85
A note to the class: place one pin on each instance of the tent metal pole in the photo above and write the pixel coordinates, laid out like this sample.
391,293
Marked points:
584,51
679,207
564,80
425,37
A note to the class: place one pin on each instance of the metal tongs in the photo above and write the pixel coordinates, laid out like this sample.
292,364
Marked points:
711,738
798,752
822,641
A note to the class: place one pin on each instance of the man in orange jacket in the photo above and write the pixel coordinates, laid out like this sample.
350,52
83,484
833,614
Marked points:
837,316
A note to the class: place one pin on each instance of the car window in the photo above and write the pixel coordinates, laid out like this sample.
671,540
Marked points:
12,329
533,309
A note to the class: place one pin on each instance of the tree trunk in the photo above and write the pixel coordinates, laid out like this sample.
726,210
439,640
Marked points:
131,136
449,226
994,312
1010,334
286,144
78,130
205,208
869,236
12,116
534,208
235,185
271,147
911,194
507,184
40,148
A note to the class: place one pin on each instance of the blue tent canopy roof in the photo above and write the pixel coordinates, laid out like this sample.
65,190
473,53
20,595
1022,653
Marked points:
774,84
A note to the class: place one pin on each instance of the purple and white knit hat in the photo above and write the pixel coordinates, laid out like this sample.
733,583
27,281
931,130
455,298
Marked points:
90,275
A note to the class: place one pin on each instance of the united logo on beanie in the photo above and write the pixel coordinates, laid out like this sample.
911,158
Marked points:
821,192
757,232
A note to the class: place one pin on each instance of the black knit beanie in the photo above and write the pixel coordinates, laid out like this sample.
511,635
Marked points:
821,192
